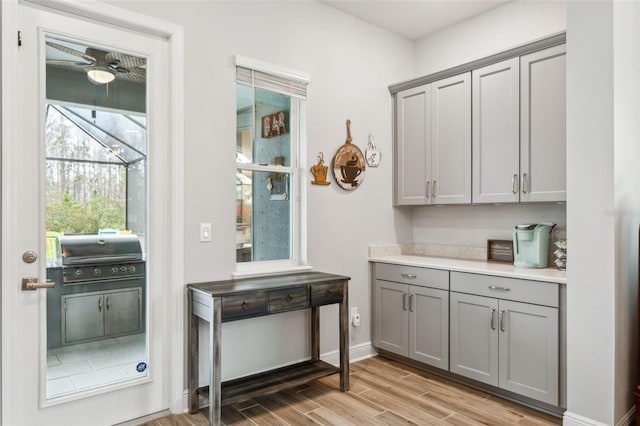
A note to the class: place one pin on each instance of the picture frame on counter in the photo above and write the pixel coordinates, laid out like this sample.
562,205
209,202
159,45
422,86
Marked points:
500,251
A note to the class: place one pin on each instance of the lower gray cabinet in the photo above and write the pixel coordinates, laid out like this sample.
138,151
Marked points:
412,320
504,343
94,315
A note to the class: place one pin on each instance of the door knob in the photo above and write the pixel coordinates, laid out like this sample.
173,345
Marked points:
31,283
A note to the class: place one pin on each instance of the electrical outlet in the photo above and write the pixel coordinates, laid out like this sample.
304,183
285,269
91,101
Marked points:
355,317
205,232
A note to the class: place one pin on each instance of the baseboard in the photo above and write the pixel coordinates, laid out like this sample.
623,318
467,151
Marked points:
356,353
572,419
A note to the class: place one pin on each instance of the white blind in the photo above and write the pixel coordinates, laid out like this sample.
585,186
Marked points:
271,82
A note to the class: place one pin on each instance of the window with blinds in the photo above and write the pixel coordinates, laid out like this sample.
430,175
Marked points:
270,128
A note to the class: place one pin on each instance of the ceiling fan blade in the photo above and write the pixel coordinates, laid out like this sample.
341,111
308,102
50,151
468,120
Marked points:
63,62
125,61
137,75
70,51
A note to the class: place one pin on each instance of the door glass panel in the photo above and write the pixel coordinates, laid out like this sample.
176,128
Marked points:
95,213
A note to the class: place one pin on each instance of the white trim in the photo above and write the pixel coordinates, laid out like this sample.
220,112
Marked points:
288,73
572,419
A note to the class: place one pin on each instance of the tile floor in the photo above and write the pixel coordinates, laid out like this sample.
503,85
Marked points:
88,365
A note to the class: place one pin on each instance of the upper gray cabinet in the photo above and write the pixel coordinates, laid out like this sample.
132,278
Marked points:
496,131
489,131
543,125
433,143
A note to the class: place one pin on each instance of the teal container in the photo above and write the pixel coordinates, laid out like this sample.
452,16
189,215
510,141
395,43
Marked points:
531,245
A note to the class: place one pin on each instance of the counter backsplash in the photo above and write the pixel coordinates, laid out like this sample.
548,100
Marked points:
435,250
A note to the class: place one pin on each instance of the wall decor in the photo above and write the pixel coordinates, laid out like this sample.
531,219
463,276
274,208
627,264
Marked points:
349,164
275,124
500,251
372,154
319,171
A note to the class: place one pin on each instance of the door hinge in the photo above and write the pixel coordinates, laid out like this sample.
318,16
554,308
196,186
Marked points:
19,38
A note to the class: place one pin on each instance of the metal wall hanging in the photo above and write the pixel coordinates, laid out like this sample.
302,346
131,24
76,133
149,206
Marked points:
349,164
372,154
319,171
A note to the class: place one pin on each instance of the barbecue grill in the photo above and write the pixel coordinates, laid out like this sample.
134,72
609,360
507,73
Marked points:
100,289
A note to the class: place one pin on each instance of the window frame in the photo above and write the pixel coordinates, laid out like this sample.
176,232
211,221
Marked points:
297,184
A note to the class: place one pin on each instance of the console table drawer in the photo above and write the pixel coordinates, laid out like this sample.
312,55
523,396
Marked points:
326,293
286,299
244,305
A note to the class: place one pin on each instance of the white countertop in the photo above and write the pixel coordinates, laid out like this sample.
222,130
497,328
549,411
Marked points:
477,267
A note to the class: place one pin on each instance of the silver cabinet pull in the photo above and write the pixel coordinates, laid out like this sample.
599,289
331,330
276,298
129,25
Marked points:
411,303
493,287
524,183
428,189
433,189
492,318
100,304
404,301
502,326
107,303
406,275
514,183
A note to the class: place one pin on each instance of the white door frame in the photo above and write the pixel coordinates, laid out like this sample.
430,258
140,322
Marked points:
173,35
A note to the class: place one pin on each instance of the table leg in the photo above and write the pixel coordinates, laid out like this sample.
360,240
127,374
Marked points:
344,338
315,333
215,329
193,358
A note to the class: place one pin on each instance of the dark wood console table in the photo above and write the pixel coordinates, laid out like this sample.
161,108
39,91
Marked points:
220,301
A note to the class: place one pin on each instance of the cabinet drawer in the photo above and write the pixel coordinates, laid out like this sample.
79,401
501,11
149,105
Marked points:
286,299
425,277
324,294
537,292
244,305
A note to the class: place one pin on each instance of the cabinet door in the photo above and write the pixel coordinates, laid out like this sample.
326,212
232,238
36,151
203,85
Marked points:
123,311
451,140
391,323
496,131
474,337
413,115
529,350
543,125
429,326
83,317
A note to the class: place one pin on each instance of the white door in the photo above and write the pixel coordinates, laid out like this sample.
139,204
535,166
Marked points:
25,400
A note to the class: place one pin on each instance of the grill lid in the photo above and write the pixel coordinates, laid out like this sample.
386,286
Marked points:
85,249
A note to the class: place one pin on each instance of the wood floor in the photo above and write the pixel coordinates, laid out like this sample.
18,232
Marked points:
383,392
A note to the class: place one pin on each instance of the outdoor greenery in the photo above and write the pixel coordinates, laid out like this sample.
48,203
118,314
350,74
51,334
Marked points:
85,183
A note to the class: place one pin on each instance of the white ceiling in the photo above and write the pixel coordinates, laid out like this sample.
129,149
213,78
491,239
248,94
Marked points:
413,19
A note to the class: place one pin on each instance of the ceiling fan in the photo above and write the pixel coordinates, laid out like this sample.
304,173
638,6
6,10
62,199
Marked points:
102,67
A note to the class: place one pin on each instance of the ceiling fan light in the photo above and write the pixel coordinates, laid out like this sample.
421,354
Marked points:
100,75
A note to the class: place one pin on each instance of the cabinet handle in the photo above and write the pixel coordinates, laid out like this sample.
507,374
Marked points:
405,275
492,318
411,303
433,189
245,305
428,189
493,287
107,303
514,184
524,183
502,326
404,301
289,298
100,304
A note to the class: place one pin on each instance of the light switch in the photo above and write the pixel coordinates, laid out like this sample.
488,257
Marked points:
205,232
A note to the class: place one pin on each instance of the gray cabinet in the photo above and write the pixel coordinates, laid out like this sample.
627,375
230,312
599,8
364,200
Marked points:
412,320
496,131
499,339
543,125
433,143
519,129
95,315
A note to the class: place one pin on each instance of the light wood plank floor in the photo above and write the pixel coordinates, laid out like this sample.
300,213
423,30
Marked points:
383,392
